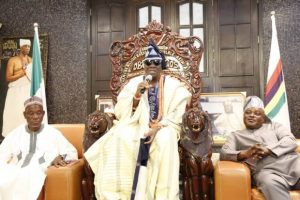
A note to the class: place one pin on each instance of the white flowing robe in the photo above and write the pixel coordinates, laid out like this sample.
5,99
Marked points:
113,157
25,181
18,92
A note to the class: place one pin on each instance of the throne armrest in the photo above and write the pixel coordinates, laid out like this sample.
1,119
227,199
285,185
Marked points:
64,182
232,181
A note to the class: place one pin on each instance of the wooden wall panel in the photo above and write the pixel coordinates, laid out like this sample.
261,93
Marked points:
227,66
117,14
117,36
103,19
243,11
103,72
244,62
226,14
243,36
227,39
103,43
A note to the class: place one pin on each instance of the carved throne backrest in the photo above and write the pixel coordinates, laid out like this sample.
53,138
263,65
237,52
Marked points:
183,55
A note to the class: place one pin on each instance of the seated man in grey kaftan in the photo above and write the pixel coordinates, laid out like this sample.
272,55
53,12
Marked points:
26,153
269,150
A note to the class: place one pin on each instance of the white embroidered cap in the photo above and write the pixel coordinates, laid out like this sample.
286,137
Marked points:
33,100
25,42
253,101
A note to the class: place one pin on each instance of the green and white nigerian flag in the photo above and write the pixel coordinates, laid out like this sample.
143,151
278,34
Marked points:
37,80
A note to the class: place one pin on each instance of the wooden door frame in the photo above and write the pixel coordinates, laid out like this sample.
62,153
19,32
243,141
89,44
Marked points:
89,58
262,71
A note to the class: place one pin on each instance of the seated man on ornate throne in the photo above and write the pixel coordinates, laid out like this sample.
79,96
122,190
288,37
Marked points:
149,106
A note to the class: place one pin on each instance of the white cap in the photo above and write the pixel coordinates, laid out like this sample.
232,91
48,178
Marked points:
253,102
33,100
25,42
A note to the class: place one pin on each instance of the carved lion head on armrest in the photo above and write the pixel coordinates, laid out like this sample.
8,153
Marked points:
97,124
196,129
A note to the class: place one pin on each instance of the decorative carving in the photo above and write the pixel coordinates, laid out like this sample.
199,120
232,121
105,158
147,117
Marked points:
196,85
196,130
195,161
97,124
155,26
183,55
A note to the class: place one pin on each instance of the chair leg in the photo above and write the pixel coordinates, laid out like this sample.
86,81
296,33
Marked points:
85,195
87,184
186,190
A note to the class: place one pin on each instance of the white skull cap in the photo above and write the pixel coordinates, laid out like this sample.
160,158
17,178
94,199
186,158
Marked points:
33,100
25,42
253,101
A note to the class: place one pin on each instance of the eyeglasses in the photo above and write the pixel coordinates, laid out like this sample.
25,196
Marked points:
154,62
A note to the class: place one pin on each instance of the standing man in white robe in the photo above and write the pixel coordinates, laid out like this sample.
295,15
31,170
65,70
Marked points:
145,108
269,150
26,153
18,76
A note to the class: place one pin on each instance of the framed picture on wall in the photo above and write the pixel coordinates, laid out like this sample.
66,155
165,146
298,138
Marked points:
105,104
225,111
10,47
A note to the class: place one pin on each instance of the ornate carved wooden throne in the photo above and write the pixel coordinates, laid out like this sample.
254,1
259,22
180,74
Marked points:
183,55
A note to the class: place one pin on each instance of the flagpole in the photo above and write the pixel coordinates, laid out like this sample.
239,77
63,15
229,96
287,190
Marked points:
35,25
276,103
36,30
37,83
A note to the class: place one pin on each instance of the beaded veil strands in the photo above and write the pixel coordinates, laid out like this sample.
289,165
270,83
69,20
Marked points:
161,100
